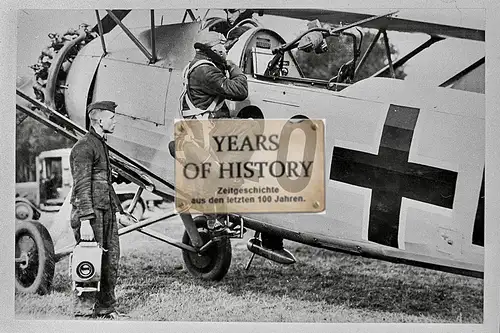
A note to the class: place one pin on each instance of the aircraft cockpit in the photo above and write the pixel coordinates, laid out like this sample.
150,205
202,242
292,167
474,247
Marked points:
256,54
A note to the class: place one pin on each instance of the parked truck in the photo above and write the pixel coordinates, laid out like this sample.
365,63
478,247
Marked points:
53,183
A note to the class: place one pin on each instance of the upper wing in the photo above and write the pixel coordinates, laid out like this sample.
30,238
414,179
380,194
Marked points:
459,23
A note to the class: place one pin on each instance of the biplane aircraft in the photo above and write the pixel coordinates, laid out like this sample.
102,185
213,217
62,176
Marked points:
404,161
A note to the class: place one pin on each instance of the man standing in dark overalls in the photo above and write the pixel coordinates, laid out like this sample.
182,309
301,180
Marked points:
94,207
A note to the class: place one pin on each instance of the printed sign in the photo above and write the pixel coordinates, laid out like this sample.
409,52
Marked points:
250,166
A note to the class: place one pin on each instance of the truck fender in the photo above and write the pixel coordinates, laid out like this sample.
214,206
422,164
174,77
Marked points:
25,210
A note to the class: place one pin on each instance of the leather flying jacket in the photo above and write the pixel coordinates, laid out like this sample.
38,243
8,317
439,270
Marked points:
91,171
207,82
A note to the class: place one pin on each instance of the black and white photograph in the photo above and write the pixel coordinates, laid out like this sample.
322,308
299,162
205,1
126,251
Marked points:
368,204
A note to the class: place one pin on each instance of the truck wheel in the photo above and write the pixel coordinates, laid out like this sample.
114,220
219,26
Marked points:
214,263
24,211
34,263
138,210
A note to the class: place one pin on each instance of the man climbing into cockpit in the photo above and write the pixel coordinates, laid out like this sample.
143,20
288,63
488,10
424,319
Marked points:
209,80
208,87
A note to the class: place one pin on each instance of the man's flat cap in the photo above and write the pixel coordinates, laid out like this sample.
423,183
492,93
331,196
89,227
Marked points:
103,105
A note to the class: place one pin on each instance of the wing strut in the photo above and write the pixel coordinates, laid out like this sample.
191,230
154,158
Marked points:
153,36
101,32
388,53
401,61
191,15
367,52
462,73
108,24
132,37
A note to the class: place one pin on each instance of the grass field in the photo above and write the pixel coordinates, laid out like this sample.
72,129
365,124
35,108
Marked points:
323,286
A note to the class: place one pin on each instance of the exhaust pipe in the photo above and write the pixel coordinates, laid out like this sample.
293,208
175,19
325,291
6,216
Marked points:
282,256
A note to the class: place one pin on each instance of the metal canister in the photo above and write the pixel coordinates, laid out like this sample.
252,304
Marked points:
85,266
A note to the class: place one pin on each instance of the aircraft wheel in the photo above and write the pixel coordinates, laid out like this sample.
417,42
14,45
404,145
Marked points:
214,263
138,210
24,211
34,262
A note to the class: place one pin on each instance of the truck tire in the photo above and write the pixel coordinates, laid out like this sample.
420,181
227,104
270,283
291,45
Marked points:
214,263
35,263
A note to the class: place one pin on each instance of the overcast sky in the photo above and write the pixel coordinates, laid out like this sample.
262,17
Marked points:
447,57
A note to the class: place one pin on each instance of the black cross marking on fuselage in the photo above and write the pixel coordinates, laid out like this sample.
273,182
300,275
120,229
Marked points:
391,177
